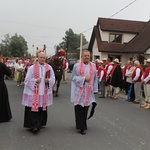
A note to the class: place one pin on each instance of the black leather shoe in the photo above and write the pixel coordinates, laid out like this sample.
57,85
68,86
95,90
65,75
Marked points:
136,102
83,132
35,130
101,97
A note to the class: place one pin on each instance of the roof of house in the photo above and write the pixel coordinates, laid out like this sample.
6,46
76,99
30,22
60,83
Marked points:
138,44
118,25
104,46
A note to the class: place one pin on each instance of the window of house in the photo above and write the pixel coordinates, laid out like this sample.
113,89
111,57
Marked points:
115,38
112,57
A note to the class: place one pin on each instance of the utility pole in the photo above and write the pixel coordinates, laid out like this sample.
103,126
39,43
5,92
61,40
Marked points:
81,37
67,46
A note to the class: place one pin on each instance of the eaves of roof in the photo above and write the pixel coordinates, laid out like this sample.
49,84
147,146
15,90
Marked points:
118,25
140,43
104,46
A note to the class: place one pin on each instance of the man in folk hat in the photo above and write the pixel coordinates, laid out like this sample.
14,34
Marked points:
108,66
136,79
125,69
146,81
105,62
131,94
83,87
116,78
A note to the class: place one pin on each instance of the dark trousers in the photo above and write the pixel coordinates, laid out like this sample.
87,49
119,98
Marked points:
132,94
35,119
126,85
129,92
102,87
81,117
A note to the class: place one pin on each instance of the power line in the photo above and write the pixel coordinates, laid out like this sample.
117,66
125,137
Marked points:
123,9
115,13
87,30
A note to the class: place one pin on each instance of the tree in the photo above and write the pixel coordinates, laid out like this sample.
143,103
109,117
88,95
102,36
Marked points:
14,46
71,41
18,46
4,46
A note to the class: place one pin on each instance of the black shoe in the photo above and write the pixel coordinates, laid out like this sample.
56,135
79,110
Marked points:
35,130
101,97
128,100
136,102
82,132
131,100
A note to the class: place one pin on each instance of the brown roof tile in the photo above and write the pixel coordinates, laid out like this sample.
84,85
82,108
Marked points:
140,43
137,45
119,25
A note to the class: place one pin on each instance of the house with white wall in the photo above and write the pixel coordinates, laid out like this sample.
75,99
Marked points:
122,39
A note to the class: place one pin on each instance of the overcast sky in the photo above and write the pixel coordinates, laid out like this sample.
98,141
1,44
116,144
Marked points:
45,21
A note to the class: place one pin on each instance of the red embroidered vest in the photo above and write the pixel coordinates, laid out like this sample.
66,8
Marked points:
99,70
147,72
134,74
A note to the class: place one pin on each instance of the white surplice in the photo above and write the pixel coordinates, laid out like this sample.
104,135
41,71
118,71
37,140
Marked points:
30,82
77,81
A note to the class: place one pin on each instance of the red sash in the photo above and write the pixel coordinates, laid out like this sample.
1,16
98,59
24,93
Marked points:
36,89
89,87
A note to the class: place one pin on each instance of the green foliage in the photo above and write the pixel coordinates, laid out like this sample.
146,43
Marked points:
71,41
18,46
15,46
143,66
4,46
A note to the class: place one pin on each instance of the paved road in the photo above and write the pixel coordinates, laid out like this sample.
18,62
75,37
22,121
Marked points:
116,125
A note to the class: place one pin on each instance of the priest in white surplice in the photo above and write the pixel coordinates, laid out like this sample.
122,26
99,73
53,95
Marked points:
37,94
83,87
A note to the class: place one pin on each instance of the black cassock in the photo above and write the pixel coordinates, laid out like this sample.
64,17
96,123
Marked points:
5,111
116,80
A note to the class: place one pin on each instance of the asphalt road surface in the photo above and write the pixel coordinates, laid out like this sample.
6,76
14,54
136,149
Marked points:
116,125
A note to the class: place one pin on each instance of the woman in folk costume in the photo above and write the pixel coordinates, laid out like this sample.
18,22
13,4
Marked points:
37,94
5,111
83,87
20,67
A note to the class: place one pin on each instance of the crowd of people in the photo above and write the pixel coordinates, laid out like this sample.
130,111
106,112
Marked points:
103,77
131,78
38,79
19,67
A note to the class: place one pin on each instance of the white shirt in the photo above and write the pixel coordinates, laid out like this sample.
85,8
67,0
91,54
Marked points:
137,74
109,69
147,78
101,75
